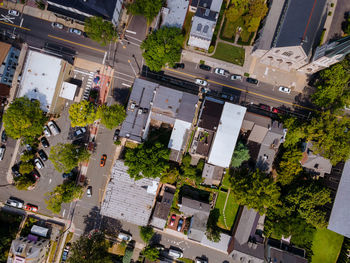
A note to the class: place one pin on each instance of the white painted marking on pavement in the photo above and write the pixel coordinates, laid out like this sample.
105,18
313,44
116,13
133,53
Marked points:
21,22
116,72
50,181
123,79
64,212
104,58
133,38
126,85
131,32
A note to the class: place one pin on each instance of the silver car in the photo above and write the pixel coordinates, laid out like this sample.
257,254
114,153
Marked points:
201,82
15,203
284,89
75,31
57,25
53,128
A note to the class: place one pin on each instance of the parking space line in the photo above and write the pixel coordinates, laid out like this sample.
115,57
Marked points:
131,32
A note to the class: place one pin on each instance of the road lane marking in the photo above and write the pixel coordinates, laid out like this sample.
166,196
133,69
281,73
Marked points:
131,32
127,36
24,28
78,44
243,90
117,72
126,85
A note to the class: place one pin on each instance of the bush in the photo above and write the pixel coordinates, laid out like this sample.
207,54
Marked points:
329,13
127,256
211,49
146,233
117,142
202,62
246,74
332,4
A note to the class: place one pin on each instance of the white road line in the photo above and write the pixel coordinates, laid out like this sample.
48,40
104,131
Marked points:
116,72
104,58
21,22
131,81
126,85
134,43
133,38
131,32
82,72
64,212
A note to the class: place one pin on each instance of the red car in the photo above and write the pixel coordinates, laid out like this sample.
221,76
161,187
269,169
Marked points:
103,160
265,107
32,208
172,220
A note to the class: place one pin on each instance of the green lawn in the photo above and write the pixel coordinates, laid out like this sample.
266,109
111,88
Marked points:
230,211
326,246
229,53
226,181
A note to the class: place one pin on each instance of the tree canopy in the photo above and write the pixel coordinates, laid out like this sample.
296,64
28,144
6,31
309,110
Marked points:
24,181
147,8
100,30
161,47
255,190
146,233
65,157
240,155
151,253
82,113
213,231
289,167
147,160
111,116
26,167
90,249
24,119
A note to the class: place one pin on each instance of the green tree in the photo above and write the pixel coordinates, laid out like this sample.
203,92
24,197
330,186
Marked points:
330,136
147,8
65,157
213,231
170,176
236,10
111,116
289,167
346,26
151,253
188,171
257,9
240,155
24,119
24,181
161,47
147,160
146,233
255,190
82,113
295,132
26,167
90,249
100,30
127,256
27,156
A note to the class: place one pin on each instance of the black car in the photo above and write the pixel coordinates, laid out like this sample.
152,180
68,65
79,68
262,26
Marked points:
15,170
205,67
3,137
44,142
42,155
116,135
252,81
179,65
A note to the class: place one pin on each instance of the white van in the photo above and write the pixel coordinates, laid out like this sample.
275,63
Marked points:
2,152
175,253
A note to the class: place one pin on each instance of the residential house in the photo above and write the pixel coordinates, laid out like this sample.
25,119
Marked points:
203,22
31,249
199,211
79,10
269,146
291,30
212,174
128,199
278,251
46,84
9,60
162,207
315,163
174,14
246,243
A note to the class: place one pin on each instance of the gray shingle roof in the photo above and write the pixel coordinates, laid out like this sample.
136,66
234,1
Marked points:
246,225
190,206
198,226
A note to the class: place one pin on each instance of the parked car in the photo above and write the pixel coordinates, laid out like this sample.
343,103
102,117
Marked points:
13,12
65,254
57,25
201,82
116,135
42,155
28,147
80,131
47,131
284,89
179,225
278,111
15,170
205,67
75,31
220,71
200,260
35,174
175,253
2,152
38,163
172,220
32,208
44,142
3,136
265,107
53,128
103,160
236,77
179,65
67,175
124,237
89,191
15,203
252,81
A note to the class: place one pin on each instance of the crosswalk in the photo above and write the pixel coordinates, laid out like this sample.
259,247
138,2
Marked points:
88,86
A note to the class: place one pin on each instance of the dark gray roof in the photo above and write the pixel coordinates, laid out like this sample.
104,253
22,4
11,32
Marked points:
198,226
300,23
210,114
246,226
207,14
162,208
278,251
190,206
332,49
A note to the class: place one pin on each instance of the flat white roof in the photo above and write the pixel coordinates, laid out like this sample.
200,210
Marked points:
68,90
39,78
226,136
178,135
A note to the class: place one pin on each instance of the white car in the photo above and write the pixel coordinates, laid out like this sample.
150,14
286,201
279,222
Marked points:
15,203
38,163
57,25
201,82
124,237
53,128
284,89
13,12
89,191
47,131
75,31
221,72
175,253
236,77
80,131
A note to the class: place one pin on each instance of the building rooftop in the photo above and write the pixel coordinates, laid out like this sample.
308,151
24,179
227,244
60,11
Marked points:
190,206
340,215
315,162
161,210
210,114
212,174
221,245
68,90
127,199
198,226
201,32
278,251
246,226
175,12
227,134
40,82
179,135
4,50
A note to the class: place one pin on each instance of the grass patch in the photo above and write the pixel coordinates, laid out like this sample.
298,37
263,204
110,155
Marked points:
30,222
130,145
187,27
186,260
230,211
118,249
52,250
229,53
228,31
326,246
226,181
69,236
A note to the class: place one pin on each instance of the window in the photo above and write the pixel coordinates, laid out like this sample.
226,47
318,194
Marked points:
205,29
277,51
199,27
287,53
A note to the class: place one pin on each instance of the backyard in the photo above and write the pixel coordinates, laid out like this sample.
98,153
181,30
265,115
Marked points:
230,210
228,53
9,226
326,246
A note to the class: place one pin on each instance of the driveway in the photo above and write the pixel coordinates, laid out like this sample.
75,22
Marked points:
335,31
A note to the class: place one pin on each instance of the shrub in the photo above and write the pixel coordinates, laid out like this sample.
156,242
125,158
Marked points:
202,62
329,13
211,49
